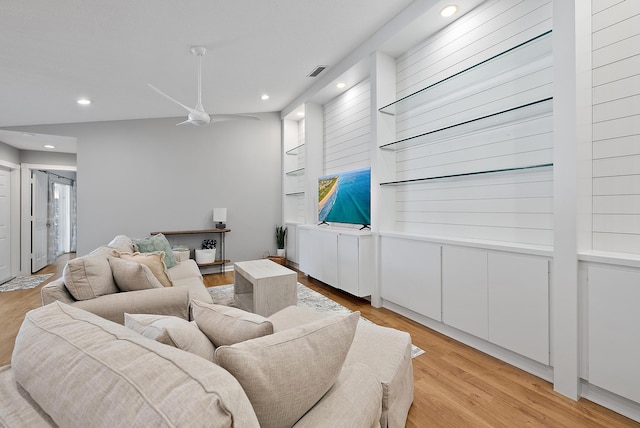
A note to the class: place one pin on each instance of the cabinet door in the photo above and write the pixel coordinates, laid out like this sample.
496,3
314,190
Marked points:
464,290
519,304
325,251
292,243
348,272
304,246
613,320
410,275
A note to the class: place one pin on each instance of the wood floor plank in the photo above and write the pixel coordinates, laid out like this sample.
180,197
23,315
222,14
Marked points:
455,385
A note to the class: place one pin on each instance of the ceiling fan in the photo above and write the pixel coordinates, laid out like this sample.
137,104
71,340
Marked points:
198,116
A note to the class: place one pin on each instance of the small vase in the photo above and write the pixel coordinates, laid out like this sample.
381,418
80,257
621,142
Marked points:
280,252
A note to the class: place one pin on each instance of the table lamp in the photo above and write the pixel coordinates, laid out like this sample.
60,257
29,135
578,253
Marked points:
220,215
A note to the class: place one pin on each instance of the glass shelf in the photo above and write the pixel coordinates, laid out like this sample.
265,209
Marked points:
294,194
298,171
509,116
536,48
493,171
295,151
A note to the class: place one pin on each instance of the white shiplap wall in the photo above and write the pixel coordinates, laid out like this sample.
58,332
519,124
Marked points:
347,130
514,207
616,125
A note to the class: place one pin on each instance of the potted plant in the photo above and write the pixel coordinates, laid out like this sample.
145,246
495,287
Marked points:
281,235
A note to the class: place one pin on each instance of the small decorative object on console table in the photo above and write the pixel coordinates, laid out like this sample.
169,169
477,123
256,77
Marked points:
221,261
220,215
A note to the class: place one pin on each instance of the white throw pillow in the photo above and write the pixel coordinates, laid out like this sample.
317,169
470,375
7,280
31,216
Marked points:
286,373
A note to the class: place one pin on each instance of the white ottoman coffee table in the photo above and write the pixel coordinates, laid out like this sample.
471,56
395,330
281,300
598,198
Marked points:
264,287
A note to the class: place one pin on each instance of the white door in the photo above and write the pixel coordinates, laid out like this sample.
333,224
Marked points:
5,225
39,211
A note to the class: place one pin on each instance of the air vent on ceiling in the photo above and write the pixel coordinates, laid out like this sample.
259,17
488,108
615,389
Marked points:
319,69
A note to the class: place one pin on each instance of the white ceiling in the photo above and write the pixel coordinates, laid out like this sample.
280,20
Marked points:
53,52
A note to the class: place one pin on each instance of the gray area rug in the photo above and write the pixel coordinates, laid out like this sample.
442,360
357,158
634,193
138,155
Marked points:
223,295
24,282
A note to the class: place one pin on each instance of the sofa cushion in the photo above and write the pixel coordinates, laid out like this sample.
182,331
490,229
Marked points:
156,243
122,243
89,276
285,374
154,261
355,399
83,371
224,325
132,276
172,331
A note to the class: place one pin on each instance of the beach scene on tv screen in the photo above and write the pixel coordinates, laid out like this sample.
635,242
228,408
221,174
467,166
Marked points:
345,197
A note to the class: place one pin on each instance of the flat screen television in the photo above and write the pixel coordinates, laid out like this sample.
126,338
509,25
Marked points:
345,197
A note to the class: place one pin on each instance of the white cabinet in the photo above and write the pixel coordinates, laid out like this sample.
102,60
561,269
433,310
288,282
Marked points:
410,275
613,324
342,259
464,290
499,297
519,304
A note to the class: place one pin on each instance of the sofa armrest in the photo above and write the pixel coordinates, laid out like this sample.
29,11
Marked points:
159,301
56,290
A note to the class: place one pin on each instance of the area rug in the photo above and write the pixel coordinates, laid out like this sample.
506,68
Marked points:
24,282
223,295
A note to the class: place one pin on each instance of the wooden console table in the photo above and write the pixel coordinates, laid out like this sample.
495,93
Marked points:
219,262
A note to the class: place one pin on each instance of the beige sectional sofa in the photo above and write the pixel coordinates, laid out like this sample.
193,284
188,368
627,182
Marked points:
74,364
71,368
90,283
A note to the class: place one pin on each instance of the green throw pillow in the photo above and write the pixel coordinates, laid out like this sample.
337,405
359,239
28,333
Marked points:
157,243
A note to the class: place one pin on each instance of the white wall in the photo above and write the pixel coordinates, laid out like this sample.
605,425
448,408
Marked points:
141,176
616,126
9,154
514,207
347,130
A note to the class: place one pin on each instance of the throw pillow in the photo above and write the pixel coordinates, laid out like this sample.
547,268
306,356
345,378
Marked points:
285,374
132,276
225,326
122,243
157,243
90,276
172,331
154,261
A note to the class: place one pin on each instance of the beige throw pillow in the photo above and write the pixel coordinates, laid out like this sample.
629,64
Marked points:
90,276
286,373
155,262
132,276
225,326
172,331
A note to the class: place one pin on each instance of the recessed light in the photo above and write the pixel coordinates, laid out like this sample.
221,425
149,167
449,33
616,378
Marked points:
300,113
340,85
28,134
447,11
264,97
84,101
49,146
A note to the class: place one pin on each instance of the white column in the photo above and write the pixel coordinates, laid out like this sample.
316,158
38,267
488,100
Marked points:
383,92
572,221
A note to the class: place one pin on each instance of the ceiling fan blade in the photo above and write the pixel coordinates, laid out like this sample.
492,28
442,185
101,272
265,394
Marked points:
223,117
184,123
189,109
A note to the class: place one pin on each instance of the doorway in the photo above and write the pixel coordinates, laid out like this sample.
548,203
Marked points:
48,224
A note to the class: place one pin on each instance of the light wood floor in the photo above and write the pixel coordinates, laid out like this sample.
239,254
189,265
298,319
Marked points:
455,385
